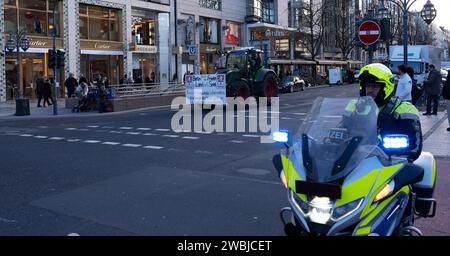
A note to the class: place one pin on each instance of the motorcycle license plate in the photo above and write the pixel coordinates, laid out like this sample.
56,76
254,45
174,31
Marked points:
332,191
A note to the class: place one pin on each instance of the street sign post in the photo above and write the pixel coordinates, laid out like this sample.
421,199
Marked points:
192,50
369,32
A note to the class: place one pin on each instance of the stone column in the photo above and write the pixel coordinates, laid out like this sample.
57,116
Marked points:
72,38
126,28
2,54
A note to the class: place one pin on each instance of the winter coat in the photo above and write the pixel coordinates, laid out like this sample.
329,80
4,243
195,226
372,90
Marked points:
446,90
433,84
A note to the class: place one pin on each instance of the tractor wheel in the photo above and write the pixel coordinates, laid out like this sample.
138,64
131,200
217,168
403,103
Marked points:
270,87
242,90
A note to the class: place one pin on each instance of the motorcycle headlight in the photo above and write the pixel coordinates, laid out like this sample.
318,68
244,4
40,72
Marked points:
346,209
320,210
301,205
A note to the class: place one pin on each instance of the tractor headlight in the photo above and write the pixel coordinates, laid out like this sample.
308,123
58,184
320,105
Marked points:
346,209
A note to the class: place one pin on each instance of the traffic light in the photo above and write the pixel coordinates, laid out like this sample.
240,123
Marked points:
60,59
51,59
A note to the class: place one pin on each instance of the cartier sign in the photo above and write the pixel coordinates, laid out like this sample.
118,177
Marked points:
101,46
42,42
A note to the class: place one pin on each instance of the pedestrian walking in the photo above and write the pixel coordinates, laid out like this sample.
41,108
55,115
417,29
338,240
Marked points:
40,89
433,90
416,91
446,95
47,92
404,86
71,84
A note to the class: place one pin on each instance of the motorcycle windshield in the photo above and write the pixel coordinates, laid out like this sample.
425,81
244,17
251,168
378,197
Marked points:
336,136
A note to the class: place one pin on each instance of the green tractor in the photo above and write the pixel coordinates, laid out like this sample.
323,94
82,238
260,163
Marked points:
246,76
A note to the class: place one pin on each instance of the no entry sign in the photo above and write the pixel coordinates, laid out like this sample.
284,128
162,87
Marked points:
369,32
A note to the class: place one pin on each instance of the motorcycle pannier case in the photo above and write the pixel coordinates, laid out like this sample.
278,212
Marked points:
425,188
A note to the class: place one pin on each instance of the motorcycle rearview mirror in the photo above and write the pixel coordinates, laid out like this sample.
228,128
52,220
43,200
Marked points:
282,138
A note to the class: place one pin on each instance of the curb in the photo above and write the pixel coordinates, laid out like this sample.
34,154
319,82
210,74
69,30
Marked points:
87,115
434,128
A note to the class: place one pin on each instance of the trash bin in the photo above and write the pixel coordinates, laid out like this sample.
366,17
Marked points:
22,107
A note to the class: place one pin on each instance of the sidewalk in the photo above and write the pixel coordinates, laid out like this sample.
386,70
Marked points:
8,110
437,141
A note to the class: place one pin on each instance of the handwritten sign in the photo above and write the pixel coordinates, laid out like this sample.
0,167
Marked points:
206,89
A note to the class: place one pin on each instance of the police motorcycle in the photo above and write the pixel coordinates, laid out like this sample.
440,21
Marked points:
342,179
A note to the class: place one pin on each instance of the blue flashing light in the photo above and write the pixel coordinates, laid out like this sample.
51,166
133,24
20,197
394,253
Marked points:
396,142
280,136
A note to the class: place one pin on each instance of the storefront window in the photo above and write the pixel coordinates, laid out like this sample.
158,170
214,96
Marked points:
100,23
144,31
10,19
109,66
33,4
34,15
209,31
232,34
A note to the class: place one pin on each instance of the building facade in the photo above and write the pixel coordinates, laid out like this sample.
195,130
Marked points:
107,37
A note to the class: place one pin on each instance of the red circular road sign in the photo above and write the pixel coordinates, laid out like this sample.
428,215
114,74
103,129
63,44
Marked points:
369,32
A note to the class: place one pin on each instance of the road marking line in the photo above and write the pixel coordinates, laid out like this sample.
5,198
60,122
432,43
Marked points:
251,136
191,138
71,129
26,135
93,126
202,132
73,140
132,145
91,141
153,147
133,133
144,129
286,118
56,138
115,132
171,136
162,130
300,114
150,134
111,143
237,141
41,137
126,128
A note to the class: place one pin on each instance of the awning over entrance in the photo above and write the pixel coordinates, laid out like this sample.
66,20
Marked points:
291,62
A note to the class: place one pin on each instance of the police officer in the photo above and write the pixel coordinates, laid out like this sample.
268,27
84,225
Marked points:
395,116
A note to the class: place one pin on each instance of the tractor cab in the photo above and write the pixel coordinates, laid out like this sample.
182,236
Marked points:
245,61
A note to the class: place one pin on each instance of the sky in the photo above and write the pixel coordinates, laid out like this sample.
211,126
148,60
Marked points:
442,8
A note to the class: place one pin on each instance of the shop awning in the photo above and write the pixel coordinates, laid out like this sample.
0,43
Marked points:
332,62
292,62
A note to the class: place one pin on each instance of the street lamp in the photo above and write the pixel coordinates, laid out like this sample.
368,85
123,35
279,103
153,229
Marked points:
383,12
428,14
19,40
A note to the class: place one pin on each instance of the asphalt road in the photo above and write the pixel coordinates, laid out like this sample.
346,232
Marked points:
130,174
